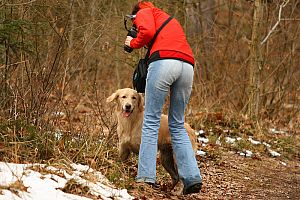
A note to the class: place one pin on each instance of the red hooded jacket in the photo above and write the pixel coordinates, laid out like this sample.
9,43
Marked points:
170,42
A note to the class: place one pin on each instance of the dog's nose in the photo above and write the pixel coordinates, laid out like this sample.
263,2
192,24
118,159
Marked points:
127,106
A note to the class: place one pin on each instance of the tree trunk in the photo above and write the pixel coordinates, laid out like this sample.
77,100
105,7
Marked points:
255,62
69,55
192,18
200,17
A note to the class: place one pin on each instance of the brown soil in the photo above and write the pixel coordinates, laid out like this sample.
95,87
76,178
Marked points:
237,177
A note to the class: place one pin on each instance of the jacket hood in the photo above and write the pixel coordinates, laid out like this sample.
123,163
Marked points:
146,4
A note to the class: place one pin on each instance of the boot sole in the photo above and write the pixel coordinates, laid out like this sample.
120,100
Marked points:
193,189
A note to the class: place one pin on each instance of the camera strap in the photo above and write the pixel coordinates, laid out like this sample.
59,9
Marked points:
154,37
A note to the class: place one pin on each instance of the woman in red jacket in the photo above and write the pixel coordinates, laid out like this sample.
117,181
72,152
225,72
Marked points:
171,64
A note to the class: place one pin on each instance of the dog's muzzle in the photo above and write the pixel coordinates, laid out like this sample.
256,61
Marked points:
127,110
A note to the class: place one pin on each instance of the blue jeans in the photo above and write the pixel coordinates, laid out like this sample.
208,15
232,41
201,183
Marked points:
176,76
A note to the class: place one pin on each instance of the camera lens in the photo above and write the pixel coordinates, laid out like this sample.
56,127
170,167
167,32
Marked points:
132,33
128,49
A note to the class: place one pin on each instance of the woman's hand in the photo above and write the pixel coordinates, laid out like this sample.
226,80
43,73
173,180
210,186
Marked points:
128,40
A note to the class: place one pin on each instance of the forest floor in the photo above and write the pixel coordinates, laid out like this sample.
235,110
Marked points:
237,177
226,173
237,159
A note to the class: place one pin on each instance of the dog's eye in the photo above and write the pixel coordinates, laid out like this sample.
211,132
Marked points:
133,97
123,97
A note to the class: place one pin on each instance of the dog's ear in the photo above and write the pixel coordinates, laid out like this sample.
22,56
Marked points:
112,97
141,102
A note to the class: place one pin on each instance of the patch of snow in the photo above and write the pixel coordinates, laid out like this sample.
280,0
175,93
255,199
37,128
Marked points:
81,168
200,153
58,134
48,186
283,163
200,132
203,139
218,142
230,140
241,153
247,153
266,144
58,114
274,131
255,142
274,153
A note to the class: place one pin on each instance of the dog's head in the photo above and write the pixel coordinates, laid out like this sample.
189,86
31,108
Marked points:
128,101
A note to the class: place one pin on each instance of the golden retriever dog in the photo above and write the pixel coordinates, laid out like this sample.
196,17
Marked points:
130,113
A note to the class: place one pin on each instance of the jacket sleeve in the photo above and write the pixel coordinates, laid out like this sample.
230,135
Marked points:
145,24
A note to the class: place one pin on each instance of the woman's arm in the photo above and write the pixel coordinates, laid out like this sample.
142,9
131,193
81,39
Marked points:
145,24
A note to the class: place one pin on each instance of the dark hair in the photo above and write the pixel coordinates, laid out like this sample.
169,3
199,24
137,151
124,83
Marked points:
135,9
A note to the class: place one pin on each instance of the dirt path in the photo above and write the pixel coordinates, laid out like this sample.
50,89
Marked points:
236,177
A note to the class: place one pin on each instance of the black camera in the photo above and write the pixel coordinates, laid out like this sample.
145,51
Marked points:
132,32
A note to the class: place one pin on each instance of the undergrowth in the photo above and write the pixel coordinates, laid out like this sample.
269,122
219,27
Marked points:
91,139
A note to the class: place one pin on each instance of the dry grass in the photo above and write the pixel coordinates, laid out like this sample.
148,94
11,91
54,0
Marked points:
75,140
15,187
52,102
73,187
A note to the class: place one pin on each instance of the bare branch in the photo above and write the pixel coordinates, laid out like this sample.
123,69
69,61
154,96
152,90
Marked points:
290,19
3,66
20,4
283,4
